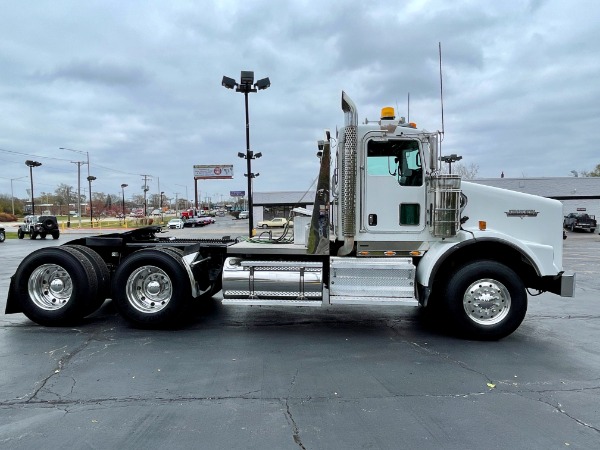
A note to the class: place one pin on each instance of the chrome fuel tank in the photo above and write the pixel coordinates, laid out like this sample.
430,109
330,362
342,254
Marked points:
272,279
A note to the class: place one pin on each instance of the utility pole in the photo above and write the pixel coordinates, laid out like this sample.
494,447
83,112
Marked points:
145,188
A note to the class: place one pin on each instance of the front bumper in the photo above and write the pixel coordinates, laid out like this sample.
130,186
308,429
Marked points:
563,284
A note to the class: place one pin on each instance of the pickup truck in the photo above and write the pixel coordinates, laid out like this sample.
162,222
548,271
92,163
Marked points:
580,221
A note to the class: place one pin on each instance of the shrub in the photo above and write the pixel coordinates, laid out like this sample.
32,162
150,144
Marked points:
6,217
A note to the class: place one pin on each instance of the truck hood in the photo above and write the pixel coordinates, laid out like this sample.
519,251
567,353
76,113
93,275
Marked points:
533,220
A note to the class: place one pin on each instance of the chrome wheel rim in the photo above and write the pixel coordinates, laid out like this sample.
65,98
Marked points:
149,289
487,302
50,287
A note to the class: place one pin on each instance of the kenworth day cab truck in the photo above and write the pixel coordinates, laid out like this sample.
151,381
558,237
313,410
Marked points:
387,228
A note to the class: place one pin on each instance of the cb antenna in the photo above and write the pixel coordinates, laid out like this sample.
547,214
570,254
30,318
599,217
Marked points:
441,88
408,114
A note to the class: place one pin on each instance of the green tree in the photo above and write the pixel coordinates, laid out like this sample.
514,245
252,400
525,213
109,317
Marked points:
593,173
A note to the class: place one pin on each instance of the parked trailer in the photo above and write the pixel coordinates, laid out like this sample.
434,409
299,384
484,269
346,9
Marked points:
388,228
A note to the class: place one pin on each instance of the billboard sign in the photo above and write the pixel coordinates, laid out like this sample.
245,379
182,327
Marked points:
237,193
218,172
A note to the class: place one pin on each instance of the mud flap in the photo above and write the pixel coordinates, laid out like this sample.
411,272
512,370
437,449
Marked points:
12,303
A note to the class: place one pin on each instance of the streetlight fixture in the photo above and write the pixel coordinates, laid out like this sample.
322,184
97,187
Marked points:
123,186
245,86
91,178
31,164
450,159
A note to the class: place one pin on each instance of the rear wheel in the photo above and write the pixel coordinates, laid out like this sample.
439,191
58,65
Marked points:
55,234
151,288
20,234
2,236
486,300
53,285
32,235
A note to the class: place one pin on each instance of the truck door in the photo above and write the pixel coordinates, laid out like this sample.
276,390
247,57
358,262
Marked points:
393,198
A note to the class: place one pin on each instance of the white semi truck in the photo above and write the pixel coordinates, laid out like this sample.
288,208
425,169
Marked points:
387,228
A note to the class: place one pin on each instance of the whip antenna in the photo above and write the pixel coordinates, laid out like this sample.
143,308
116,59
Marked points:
441,88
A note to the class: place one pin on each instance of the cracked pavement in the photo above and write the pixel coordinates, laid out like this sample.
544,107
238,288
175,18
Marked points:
352,377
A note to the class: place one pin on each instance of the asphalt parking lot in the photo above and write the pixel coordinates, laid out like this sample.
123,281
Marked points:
318,378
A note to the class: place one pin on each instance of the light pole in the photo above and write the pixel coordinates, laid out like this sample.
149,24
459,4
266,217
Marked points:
12,195
31,164
123,186
91,178
161,205
247,85
187,199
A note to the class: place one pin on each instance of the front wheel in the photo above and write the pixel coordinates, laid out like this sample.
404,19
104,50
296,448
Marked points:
20,234
2,236
486,300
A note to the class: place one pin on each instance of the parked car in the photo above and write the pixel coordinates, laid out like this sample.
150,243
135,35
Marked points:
39,226
194,222
580,221
2,234
243,215
277,222
175,224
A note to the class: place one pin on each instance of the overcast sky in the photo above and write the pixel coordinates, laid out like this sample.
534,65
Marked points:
137,85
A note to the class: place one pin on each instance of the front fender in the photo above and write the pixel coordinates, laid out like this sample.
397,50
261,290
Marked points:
539,256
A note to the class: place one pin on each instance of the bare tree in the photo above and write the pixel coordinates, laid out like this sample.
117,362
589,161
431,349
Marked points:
467,172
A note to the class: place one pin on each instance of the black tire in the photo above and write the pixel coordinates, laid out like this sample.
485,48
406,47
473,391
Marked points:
151,288
592,230
572,228
2,236
102,275
49,224
55,234
20,234
264,226
32,235
502,300
54,284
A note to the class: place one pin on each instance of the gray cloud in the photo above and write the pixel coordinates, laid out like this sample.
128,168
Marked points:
137,84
